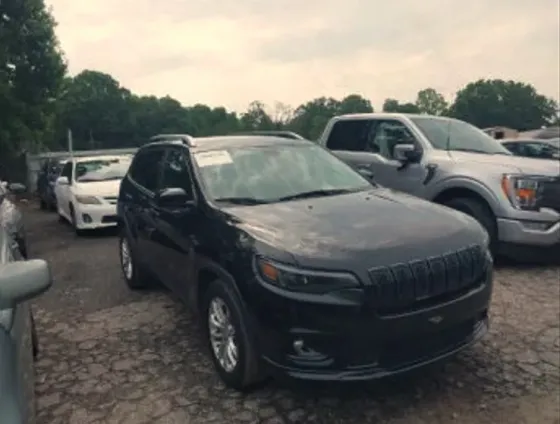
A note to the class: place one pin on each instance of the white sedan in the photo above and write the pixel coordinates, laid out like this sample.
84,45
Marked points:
87,190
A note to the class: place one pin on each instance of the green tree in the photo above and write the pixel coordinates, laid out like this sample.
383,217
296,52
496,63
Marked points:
310,118
354,103
256,118
31,73
488,103
97,110
393,106
430,102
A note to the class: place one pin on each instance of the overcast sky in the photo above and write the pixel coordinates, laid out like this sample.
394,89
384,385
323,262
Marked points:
230,52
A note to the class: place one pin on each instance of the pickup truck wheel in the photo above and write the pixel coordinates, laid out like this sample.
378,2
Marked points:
481,213
43,205
230,343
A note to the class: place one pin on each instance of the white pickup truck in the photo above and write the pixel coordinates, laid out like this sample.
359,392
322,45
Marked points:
516,199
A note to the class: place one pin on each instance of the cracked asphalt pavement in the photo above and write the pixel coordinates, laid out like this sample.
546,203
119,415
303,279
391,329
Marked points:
109,355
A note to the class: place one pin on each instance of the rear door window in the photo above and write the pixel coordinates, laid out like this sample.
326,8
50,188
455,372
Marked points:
351,135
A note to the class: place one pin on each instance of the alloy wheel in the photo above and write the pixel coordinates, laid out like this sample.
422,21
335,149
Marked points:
222,335
126,259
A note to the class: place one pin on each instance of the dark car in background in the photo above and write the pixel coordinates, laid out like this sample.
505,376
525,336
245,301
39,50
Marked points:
296,264
49,172
11,219
20,281
532,148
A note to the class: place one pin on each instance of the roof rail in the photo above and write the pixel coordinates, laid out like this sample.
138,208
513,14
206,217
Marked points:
183,138
275,133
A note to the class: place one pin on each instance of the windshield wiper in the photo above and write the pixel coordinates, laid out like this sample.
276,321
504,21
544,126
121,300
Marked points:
317,193
242,200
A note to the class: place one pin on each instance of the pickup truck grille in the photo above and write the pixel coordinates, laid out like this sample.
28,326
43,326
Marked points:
402,285
550,197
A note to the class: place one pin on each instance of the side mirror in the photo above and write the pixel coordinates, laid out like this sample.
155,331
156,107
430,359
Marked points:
173,197
406,153
23,280
62,181
17,188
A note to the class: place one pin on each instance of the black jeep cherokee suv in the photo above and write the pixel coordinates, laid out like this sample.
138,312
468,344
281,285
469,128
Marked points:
299,265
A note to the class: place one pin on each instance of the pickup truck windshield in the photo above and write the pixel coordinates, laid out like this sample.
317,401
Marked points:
452,134
268,174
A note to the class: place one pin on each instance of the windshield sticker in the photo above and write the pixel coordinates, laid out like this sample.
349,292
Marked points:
218,157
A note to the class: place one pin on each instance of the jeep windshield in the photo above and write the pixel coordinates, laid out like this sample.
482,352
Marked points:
452,134
275,173
101,169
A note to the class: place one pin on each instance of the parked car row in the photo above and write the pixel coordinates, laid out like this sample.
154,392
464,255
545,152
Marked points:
268,236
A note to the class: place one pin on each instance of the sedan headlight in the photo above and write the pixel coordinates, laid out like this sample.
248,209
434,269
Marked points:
88,200
309,281
524,191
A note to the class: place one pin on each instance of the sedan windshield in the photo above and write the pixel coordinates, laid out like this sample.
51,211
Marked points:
267,174
102,169
451,134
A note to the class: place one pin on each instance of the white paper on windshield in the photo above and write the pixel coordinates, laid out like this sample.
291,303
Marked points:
214,158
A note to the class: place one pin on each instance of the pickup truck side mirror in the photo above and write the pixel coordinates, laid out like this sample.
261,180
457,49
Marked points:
23,280
62,181
406,153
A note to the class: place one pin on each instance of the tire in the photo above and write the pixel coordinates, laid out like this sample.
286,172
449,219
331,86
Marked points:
134,277
34,338
481,212
245,373
43,205
74,225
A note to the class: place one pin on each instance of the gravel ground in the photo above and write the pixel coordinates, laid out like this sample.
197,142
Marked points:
109,355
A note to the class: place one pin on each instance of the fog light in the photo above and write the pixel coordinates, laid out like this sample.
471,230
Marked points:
86,218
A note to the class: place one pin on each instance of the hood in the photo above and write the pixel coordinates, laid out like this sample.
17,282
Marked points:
514,164
108,188
358,230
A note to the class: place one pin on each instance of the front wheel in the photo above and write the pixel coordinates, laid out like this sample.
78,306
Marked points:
133,275
231,345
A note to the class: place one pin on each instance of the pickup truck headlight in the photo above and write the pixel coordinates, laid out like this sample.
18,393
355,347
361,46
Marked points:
88,200
524,191
300,280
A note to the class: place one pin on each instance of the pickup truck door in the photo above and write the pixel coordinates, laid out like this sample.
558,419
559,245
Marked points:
373,153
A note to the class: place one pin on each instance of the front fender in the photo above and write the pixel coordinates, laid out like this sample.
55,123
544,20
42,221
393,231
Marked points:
467,183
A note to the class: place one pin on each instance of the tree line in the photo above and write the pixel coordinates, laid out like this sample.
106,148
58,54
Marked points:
40,101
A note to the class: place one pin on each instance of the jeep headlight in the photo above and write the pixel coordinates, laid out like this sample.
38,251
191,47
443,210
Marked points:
524,191
309,281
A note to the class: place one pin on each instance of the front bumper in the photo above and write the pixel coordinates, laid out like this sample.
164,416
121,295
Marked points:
89,217
339,337
538,234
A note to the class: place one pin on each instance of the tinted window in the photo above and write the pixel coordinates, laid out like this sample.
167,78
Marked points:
67,171
387,135
175,172
270,173
145,168
349,135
